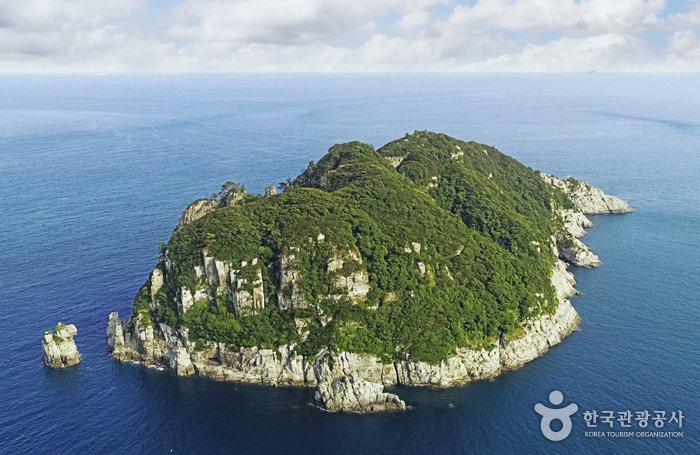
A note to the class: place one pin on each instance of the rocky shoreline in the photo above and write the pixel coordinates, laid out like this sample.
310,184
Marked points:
353,382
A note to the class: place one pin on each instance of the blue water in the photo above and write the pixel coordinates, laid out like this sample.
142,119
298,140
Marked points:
95,171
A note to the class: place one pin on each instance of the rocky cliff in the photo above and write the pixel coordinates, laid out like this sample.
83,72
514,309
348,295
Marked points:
59,347
345,381
588,199
338,282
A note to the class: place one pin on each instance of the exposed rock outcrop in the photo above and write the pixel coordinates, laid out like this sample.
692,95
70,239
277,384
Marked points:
352,383
233,197
247,294
356,283
214,360
575,221
270,191
196,210
289,295
351,394
59,347
395,160
588,199
579,254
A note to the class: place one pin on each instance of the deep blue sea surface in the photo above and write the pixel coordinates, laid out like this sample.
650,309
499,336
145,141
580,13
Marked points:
96,170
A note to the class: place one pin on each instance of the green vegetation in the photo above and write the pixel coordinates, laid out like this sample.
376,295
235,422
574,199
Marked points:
479,217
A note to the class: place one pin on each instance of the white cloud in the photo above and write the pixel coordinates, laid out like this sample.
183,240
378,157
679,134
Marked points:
610,51
585,16
59,35
346,35
683,48
289,22
413,20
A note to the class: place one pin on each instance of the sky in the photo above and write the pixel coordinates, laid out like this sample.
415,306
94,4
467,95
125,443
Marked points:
86,36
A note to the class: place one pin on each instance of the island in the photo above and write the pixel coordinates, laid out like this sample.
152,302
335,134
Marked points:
59,346
428,262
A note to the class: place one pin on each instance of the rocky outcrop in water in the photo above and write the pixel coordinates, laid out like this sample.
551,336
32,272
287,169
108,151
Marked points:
588,199
59,347
349,390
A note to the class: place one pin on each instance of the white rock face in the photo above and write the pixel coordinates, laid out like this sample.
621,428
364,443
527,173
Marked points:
575,221
216,272
233,198
356,283
137,343
563,281
156,284
587,198
270,191
242,298
196,210
395,160
59,347
348,390
288,277
187,299
540,334
179,360
115,334
579,255
252,365
466,366
351,394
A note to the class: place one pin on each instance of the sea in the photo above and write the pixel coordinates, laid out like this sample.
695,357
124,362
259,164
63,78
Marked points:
95,170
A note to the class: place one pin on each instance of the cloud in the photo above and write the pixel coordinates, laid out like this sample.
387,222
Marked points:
61,35
413,20
585,16
683,48
346,35
610,51
289,22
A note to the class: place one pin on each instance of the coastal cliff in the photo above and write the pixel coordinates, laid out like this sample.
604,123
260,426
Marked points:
588,199
430,262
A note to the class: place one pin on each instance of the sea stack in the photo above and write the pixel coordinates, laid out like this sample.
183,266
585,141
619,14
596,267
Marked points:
59,347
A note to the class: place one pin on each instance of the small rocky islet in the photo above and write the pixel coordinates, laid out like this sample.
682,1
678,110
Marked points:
60,349
428,262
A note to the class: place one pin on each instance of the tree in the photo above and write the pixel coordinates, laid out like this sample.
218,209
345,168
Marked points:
228,187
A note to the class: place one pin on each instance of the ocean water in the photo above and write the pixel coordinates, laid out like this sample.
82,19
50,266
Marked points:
96,170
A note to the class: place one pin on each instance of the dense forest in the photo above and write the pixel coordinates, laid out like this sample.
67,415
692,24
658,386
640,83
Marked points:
454,238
